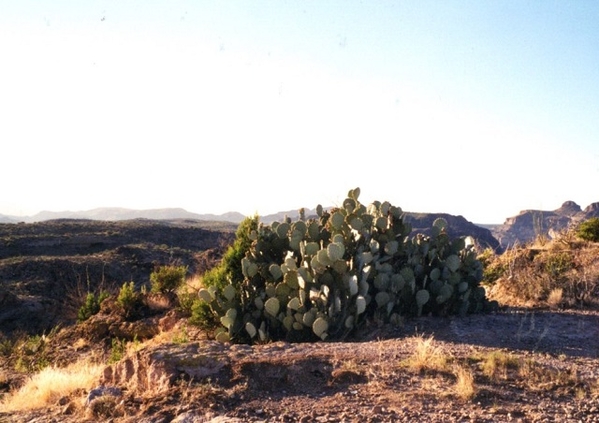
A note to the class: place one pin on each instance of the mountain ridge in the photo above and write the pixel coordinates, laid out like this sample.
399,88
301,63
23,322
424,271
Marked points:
120,213
522,228
530,224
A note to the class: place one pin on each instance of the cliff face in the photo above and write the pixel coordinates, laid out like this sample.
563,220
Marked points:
530,224
457,226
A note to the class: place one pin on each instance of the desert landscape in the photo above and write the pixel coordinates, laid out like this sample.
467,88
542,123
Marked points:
68,356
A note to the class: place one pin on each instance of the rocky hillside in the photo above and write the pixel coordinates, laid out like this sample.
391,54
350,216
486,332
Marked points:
458,226
47,268
519,229
530,224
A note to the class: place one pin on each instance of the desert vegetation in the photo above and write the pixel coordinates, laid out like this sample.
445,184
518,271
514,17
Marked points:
558,273
320,278
345,307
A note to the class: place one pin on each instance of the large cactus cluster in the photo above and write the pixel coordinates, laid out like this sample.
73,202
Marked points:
319,278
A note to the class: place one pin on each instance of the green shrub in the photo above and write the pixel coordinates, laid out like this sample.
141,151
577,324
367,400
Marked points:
31,353
493,266
166,279
186,300
229,269
589,230
202,315
557,263
118,348
128,299
6,347
91,305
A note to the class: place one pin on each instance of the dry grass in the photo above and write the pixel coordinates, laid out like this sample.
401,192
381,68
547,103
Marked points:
51,384
500,366
594,390
3,377
464,387
497,363
539,377
558,274
105,407
194,283
555,298
427,356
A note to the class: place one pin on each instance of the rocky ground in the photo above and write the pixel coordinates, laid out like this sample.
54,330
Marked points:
525,365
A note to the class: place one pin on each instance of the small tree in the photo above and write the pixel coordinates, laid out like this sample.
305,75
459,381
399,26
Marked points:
589,230
167,279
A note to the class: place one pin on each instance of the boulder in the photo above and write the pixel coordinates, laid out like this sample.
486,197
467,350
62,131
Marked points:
158,368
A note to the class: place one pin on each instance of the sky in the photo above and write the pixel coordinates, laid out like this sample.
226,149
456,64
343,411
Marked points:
479,108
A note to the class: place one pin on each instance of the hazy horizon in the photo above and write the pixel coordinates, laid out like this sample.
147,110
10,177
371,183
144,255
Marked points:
582,206
480,109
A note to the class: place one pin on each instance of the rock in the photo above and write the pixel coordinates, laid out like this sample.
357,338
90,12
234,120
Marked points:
188,417
530,224
591,211
569,208
158,367
101,391
224,419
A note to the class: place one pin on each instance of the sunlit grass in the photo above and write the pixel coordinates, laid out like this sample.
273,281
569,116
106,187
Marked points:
50,384
427,355
497,363
555,298
464,386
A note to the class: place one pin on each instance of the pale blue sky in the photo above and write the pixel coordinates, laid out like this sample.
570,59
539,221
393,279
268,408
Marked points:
478,108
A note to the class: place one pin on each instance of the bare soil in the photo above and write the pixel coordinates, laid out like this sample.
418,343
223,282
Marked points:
554,376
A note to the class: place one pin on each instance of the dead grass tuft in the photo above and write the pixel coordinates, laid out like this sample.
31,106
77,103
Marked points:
539,377
427,356
555,298
594,390
105,407
496,364
464,386
51,384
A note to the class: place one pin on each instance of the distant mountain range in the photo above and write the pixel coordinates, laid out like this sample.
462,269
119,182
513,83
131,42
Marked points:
519,229
116,213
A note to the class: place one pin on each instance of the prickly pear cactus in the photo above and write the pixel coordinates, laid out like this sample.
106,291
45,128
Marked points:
319,278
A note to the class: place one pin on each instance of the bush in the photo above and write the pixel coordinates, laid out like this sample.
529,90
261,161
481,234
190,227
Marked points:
186,301
202,315
167,279
91,305
557,263
117,350
128,299
589,230
493,268
229,269
564,273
